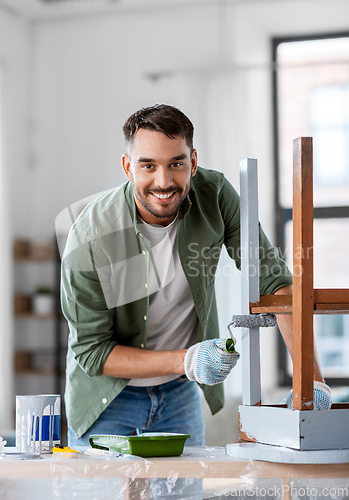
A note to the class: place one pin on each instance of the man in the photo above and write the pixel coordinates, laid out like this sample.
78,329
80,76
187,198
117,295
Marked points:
138,289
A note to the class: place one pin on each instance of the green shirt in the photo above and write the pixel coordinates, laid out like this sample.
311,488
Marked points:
105,275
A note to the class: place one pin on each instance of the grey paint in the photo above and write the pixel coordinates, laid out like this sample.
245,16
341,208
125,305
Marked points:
302,430
324,429
279,454
251,384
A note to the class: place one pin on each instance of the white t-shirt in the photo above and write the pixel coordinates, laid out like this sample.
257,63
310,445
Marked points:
172,318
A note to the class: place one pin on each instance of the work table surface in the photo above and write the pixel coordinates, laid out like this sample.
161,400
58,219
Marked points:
195,462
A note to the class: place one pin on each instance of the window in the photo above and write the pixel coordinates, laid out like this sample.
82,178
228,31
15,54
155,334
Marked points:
311,97
329,125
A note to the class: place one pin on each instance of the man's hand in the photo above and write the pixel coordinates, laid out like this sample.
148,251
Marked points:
322,397
208,363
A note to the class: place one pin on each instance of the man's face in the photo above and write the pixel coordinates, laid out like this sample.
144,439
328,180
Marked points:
160,170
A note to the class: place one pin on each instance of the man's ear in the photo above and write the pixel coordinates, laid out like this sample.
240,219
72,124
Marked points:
194,162
126,165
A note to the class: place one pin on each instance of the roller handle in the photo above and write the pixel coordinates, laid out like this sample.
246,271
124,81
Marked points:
229,345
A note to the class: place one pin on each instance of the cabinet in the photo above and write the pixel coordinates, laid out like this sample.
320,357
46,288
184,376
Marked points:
40,329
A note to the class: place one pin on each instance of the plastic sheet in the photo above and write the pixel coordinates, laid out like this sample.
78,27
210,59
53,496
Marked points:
119,477
199,473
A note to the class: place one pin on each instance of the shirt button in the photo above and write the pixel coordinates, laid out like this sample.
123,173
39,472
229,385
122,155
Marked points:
140,234
144,252
145,318
142,346
104,401
146,285
197,296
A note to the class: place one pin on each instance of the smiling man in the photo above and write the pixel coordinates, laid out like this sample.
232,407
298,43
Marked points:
138,289
160,181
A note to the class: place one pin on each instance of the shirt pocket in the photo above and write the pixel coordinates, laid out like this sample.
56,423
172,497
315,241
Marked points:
210,258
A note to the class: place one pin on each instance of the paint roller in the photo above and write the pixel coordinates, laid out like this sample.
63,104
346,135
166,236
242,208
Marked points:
248,321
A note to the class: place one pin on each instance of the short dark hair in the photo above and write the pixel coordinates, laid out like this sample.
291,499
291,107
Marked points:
161,118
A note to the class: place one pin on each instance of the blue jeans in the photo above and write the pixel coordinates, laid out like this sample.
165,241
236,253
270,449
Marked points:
171,407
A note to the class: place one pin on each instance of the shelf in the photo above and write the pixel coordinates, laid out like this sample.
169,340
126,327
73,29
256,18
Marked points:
34,251
34,259
24,308
27,362
33,315
39,372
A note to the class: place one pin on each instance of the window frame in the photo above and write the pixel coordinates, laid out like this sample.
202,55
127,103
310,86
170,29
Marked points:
284,215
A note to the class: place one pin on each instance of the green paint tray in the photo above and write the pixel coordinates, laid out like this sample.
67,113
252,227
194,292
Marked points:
149,444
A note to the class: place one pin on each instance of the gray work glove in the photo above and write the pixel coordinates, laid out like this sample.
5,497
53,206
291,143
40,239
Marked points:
322,397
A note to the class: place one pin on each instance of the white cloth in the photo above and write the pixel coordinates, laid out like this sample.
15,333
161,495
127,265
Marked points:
172,319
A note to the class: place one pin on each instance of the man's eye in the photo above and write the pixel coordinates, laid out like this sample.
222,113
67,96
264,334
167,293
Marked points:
147,166
176,164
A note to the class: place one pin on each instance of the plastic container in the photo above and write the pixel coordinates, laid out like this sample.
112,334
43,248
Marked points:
151,444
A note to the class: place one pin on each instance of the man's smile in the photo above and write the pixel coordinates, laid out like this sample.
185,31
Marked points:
164,197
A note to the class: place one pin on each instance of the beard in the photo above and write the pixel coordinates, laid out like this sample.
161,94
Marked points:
145,198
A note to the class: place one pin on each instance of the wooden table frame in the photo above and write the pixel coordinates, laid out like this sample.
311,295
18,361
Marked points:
300,427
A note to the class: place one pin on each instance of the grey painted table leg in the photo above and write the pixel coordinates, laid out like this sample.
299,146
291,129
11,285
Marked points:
250,355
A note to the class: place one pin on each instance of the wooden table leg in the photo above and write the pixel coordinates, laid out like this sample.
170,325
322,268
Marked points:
250,352
303,286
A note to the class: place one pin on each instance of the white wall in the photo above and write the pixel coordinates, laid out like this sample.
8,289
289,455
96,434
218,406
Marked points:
89,74
14,60
14,196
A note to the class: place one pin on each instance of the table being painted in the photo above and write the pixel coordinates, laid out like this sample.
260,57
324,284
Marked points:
128,477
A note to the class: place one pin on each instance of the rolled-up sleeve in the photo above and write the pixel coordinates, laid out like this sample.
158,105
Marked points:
91,323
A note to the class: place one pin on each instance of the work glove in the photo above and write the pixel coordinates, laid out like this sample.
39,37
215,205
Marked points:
209,362
322,397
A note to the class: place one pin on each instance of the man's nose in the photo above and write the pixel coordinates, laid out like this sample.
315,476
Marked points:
163,178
